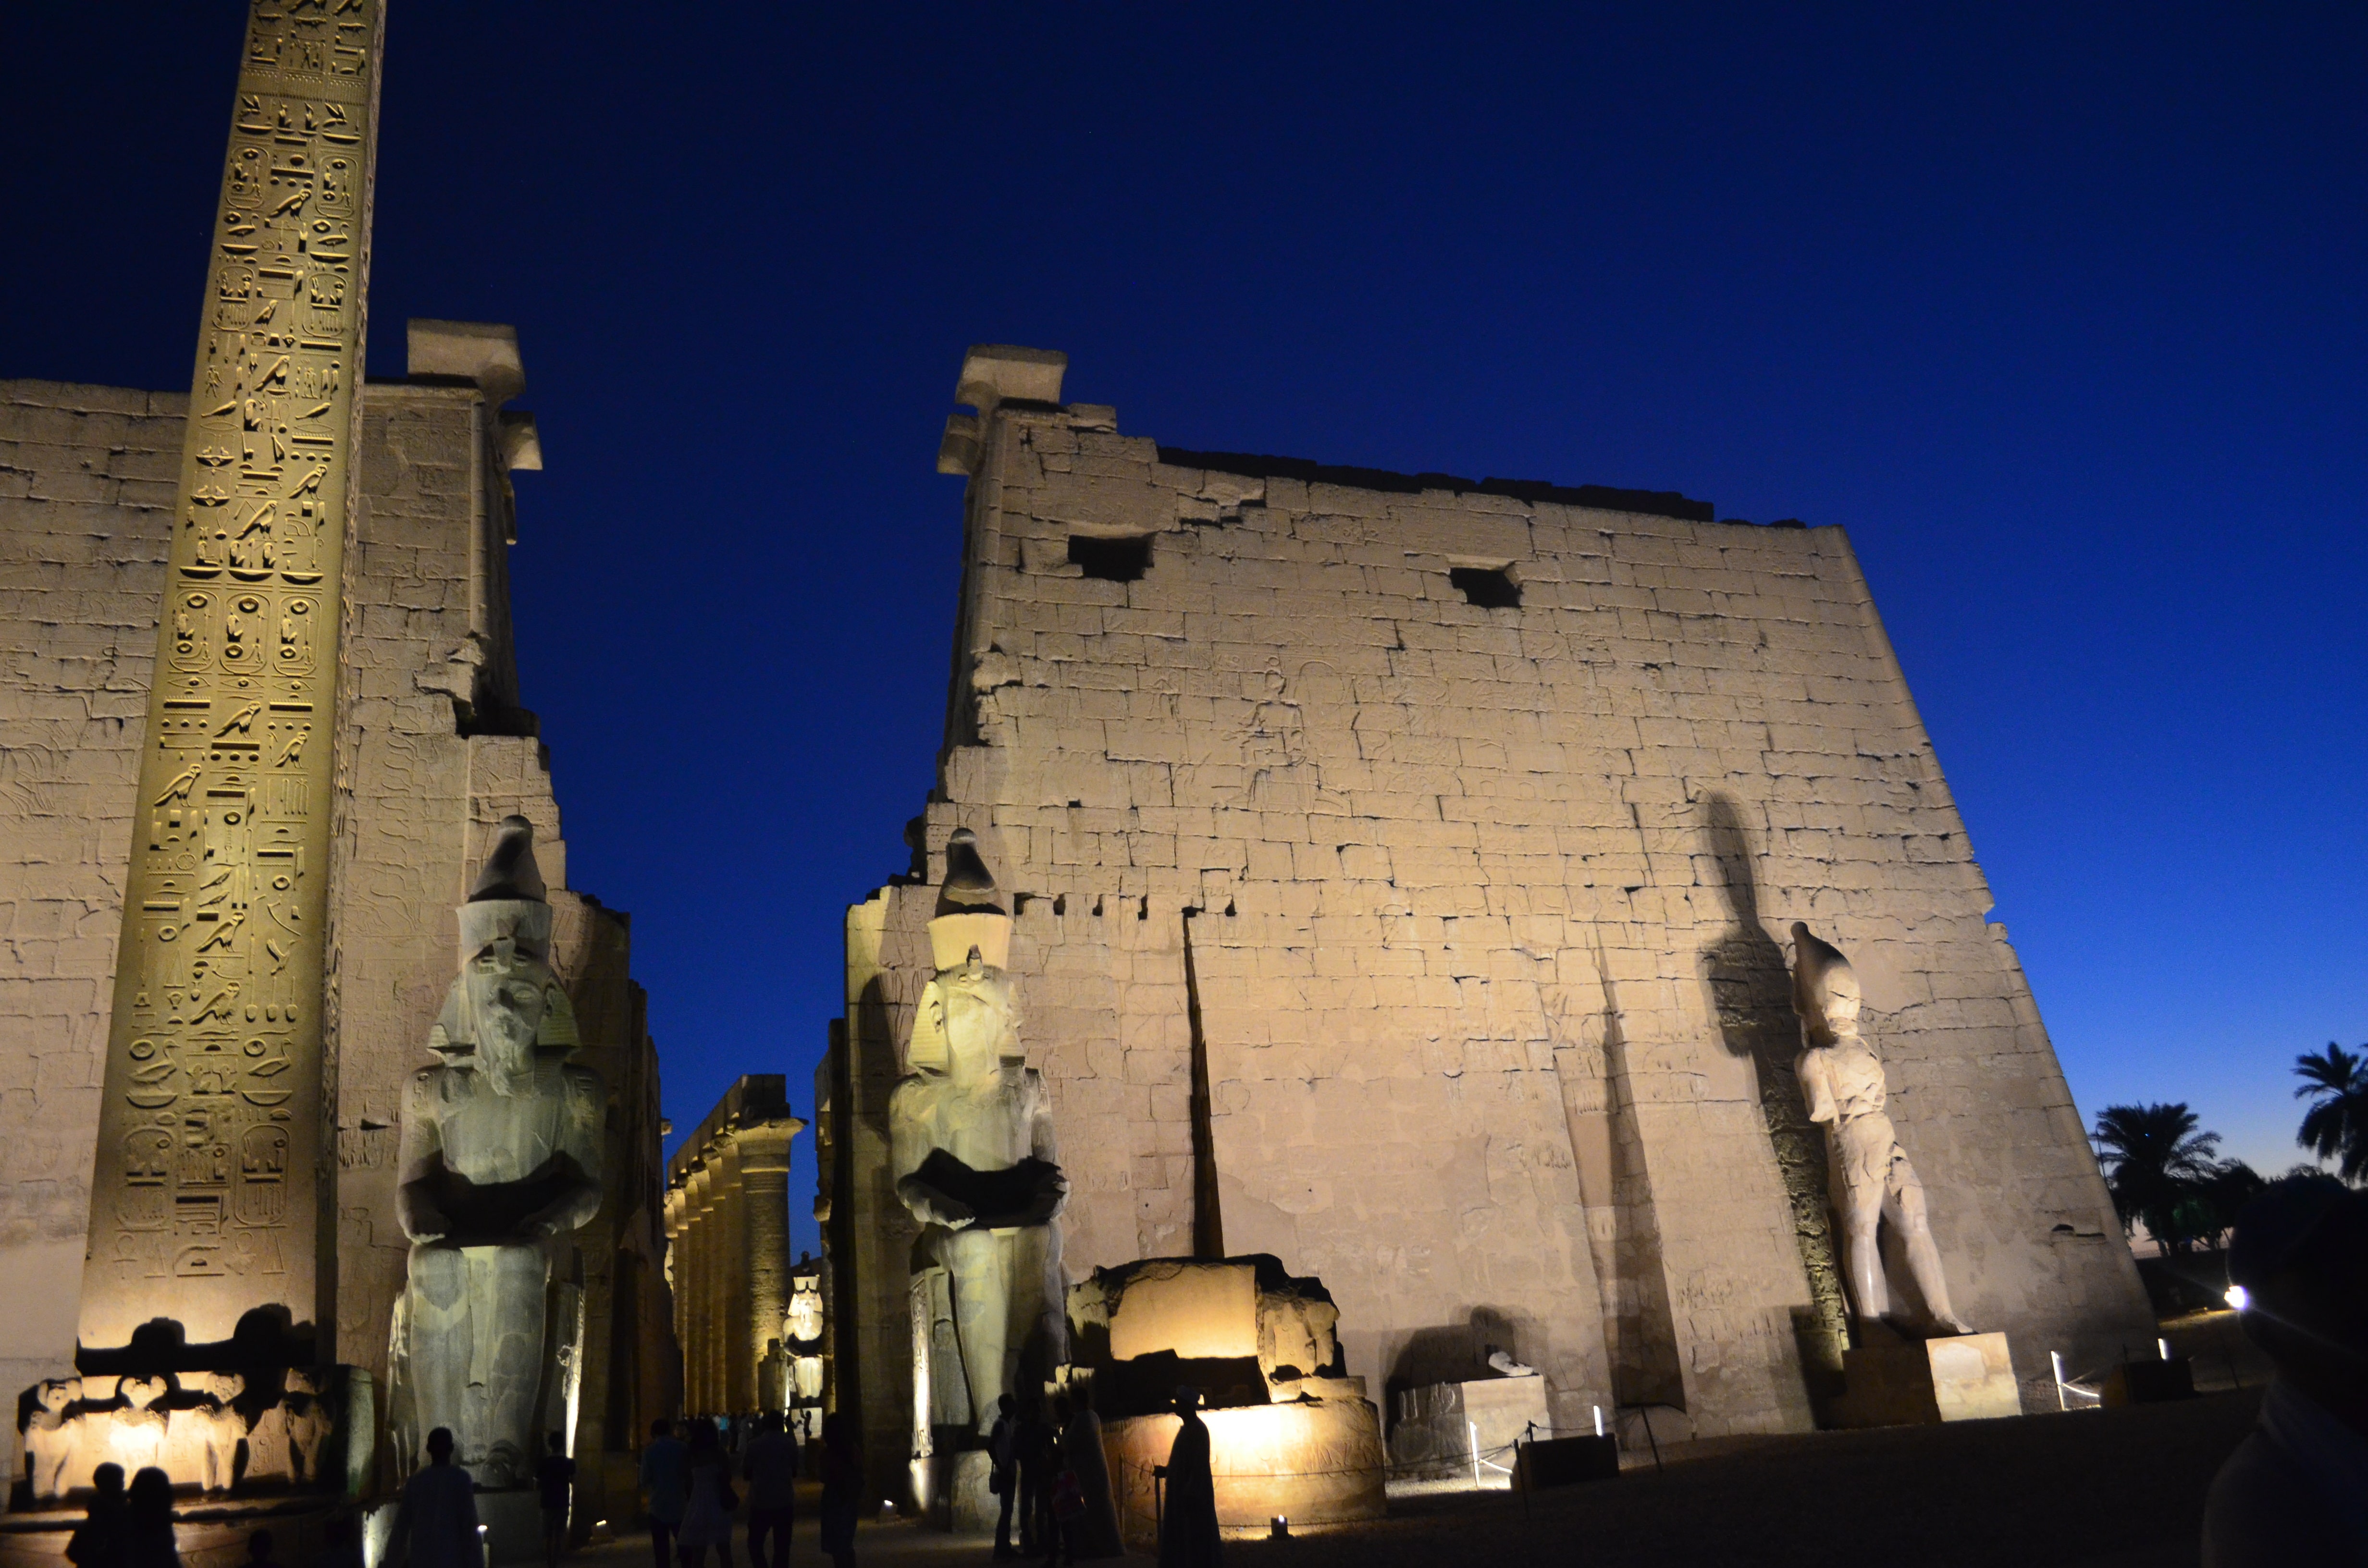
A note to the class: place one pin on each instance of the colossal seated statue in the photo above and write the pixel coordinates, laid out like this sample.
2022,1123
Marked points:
500,1153
1842,1079
972,1150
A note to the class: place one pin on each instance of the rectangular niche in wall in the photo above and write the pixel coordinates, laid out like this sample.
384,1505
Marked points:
1122,560
1490,588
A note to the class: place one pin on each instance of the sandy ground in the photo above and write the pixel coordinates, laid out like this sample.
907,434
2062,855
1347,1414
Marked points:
2113,1487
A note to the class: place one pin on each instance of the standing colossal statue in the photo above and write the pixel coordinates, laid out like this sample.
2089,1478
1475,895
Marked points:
1842,1079
500,1154
973,1148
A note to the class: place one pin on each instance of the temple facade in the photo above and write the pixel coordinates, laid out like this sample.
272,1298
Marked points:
1400,868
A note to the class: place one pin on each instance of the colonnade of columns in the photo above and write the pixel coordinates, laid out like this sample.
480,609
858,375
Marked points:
727,1221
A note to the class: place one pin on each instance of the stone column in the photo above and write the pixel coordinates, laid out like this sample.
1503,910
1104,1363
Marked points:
208,1193
693,1287
765,1238
739,1367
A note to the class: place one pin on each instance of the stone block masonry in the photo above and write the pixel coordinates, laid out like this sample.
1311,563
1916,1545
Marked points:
433,751
1482,808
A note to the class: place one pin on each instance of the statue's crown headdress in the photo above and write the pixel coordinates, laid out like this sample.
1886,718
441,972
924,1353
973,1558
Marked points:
970,912
508,898
1815,962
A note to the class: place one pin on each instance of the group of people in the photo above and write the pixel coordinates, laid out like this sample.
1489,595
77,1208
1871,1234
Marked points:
126,1528
687,1486
132,1528
1049,1474
1055,1479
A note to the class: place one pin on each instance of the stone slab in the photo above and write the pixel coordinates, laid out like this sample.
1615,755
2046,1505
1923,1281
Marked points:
1894,1383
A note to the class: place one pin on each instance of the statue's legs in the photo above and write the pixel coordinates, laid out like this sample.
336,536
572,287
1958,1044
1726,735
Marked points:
506,1290
980,1261
1038,1337
1903,1201
437,1312
1859,1173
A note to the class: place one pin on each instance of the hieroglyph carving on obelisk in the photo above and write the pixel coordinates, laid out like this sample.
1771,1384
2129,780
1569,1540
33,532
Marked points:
207,1195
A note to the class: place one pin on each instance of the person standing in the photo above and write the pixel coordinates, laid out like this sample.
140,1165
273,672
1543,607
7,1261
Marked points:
666,1483
1092,1529
437,1522
1036,1443
842,1489
769,1465
147,1540
707,1516
98,1541
1188,1529
1002,1470
555,1480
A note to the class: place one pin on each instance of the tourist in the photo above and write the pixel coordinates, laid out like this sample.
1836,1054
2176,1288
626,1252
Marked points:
1091,1530
1188,1526
1003,1468
2296,1489
98,1541
1038,1452
554,1479
842,1489
769,1465
437,1522
707,1513
147,1540
665,1487
259,1550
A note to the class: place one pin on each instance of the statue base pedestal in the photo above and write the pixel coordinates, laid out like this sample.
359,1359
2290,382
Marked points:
1890,1381
1466,1431
958,1498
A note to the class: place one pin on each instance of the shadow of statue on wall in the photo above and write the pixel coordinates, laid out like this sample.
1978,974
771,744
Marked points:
1751,994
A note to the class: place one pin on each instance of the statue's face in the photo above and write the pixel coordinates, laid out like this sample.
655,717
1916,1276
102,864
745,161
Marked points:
979,1032
508,992
1842,999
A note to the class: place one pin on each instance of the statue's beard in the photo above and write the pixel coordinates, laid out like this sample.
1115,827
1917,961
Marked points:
979,1032
506,1025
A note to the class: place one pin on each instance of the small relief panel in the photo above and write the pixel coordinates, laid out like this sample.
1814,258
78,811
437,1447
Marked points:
245,633
299,618
193,632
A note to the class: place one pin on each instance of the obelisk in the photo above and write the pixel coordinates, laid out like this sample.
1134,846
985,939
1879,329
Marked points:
209,1197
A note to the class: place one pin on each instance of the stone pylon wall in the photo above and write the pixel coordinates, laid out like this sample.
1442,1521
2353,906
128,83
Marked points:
1489,909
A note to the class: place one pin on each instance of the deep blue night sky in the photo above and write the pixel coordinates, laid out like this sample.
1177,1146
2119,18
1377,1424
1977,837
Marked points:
2061,310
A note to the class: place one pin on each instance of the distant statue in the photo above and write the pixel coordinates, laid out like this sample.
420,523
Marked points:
973,1148
1842,1079
501,1152
776,1378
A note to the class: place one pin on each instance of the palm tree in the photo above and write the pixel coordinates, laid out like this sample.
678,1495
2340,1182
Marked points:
2208,1210
2155,1160
2336,1126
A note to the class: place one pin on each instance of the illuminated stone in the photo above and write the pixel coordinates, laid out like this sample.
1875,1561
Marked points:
208,1192
974,1161
501,1158
727,1223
